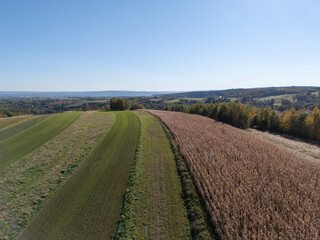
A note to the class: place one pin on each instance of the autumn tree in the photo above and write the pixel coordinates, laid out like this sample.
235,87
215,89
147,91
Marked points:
274,122
313,124
288,120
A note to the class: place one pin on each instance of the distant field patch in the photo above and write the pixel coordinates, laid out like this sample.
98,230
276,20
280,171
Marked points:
88,205
176,100
315,94
278,98
154,208
5,122
14,148
19,127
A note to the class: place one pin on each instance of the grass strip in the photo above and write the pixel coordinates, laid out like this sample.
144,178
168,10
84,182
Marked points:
88,205
20,127
153,207
16,147
201,226
6,122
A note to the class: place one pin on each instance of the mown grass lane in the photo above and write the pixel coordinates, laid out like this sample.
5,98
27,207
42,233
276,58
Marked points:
153,207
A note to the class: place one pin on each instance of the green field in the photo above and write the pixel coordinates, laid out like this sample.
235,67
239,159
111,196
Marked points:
87,206
95,175
17,146
278,98
176,100
154,208
20,126
27,185
5,122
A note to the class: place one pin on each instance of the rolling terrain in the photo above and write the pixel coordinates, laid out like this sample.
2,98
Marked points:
30,94
153,175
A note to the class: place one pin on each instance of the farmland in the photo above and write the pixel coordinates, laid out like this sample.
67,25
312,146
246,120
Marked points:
278,99
5,122
176,100
27,184
22,143
160,120
153,175
79,175
306,148
154,208
88,204
252,188
20,127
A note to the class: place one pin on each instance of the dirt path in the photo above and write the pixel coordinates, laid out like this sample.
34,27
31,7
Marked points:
310,150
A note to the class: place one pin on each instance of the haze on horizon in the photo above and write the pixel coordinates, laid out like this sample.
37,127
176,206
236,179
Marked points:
182,45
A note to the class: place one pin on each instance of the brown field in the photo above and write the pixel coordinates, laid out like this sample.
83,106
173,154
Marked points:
252,188
308,148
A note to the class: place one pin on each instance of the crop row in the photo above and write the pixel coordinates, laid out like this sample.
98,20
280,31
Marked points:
252,189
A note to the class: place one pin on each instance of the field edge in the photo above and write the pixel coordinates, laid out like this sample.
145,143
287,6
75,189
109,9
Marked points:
128,226
200,222
130,182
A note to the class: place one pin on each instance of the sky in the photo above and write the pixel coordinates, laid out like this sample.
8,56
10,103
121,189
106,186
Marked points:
180,45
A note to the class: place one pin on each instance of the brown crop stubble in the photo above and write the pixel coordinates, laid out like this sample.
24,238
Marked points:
252,189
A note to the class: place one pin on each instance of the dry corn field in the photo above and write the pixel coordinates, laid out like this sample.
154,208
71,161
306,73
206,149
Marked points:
252,188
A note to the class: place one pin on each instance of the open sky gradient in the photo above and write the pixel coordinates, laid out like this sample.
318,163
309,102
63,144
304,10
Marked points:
158,45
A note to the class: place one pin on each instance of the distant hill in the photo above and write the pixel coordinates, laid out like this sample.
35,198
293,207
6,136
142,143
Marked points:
253,92
30,94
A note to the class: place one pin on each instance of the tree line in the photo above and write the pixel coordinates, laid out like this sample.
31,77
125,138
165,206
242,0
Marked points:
20,106
120,104
301,123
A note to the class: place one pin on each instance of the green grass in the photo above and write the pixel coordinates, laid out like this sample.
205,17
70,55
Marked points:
153,206
278,98
14,148
5,122
176,100
88,205
20,127
234,99
201,225
26,185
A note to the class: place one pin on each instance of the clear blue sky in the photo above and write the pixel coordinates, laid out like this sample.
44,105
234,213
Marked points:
158,44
